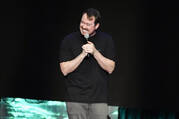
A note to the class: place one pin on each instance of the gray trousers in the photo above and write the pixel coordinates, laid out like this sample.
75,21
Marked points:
87,111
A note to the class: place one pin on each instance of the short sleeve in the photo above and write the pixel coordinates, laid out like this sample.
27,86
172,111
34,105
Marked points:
65,53
110,51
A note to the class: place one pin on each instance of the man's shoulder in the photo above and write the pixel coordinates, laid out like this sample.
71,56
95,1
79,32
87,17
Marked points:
71,35
68,39
104,35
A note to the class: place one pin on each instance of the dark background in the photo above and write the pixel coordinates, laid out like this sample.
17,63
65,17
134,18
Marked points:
145,34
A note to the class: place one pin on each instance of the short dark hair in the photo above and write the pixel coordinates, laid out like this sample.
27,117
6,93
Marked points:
93,12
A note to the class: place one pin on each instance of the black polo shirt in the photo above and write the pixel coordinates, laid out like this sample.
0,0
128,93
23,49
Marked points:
87,83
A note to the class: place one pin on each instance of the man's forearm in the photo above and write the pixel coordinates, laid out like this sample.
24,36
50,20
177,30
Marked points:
69,66
107,64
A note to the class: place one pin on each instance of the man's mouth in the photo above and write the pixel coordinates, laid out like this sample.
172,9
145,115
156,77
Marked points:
84,30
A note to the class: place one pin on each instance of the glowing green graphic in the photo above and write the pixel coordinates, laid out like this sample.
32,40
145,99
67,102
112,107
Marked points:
19,108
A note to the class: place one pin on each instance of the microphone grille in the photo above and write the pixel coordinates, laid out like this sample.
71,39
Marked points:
86,36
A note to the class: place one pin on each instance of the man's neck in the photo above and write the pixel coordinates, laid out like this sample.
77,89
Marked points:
92,34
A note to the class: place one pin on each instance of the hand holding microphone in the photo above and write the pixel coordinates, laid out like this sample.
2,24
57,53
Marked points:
89,47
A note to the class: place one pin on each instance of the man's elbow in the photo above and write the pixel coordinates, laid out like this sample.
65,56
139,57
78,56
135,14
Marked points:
110,72
64,73
63,69
111,69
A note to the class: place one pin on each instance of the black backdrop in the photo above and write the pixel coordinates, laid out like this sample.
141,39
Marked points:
145,34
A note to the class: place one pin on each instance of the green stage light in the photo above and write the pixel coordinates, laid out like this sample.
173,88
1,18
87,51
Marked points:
19,108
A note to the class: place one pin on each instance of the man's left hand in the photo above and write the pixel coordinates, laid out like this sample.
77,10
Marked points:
89,48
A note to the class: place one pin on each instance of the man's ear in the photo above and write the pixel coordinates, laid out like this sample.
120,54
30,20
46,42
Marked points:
97,26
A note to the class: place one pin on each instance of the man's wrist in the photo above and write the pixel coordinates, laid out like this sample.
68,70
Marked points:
83,53
95,52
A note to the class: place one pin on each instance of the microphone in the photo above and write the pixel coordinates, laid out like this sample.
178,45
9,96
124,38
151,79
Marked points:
86,37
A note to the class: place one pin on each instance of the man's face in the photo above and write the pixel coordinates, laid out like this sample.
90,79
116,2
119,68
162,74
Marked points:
87,25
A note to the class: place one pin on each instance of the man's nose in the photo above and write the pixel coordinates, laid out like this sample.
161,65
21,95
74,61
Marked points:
84,26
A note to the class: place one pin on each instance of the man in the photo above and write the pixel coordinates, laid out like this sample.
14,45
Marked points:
86,64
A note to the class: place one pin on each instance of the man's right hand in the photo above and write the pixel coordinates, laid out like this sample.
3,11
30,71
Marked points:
84,52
